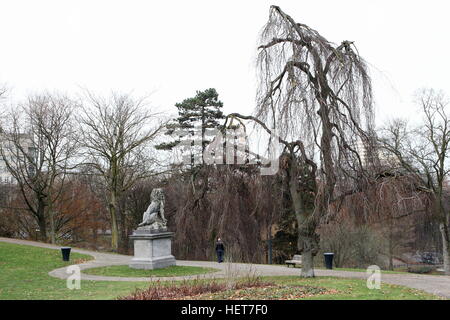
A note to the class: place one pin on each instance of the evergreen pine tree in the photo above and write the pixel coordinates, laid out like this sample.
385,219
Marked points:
197,113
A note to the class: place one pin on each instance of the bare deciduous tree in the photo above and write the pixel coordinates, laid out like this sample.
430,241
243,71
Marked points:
116,132
423,152
38,145
318,97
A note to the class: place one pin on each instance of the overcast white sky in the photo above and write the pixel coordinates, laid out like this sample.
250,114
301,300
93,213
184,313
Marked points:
173,48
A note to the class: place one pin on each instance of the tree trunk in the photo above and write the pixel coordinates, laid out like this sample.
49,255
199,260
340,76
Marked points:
41,220
42,228
52,227
51,218
51,214
114,222
391,247
123,233
391,258
306,241
306,245
445,247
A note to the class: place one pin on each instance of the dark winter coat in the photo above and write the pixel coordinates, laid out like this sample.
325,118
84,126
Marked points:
220,246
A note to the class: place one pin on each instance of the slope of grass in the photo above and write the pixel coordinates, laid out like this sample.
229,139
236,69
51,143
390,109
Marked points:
125,271
356,289
276,288
396,271
24,275
365,270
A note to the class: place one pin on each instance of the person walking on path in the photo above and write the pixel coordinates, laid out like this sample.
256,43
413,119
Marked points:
220,250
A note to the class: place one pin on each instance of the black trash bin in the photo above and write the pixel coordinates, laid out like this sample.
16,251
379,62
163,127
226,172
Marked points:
65,253
328,260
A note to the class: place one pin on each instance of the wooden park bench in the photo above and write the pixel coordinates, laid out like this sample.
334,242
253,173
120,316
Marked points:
296,259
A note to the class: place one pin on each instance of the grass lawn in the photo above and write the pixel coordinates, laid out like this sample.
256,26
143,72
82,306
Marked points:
351,289
24,275
125,271
288,288
396,271
364,270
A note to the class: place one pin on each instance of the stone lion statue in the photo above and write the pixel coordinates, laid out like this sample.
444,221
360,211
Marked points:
154,215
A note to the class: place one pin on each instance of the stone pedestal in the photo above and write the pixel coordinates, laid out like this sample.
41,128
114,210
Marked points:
152,249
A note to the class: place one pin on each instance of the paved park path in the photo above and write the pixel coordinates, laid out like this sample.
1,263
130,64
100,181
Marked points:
438,285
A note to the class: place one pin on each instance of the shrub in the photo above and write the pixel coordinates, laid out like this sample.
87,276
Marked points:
421,269
353,246
175,291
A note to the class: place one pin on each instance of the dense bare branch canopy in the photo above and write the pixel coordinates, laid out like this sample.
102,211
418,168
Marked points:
116,130
116,134
421,150
315,90
38,146
317,97
423,153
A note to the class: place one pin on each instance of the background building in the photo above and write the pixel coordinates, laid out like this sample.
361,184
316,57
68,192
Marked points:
26,142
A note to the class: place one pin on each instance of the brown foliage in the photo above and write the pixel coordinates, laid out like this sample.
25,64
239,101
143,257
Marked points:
230,202
81,213
386,218
185,289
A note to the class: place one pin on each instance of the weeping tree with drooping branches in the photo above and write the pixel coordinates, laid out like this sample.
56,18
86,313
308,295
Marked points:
317,96
233,202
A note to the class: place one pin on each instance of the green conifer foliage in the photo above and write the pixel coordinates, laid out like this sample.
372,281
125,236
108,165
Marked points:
201,112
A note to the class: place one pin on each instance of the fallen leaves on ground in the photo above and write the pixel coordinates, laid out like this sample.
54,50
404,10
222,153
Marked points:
254,290
272,292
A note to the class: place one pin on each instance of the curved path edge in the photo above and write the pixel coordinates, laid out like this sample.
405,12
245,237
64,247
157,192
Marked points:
437,285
